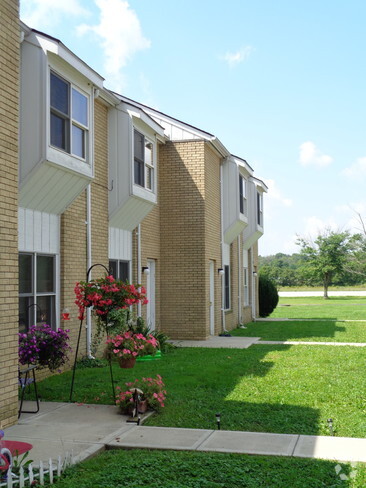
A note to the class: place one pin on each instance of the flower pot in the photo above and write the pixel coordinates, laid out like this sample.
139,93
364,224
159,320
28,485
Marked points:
142,406
127,362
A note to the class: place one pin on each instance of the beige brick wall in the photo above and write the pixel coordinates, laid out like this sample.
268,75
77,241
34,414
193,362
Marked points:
9,119
74,231
182,232
213,233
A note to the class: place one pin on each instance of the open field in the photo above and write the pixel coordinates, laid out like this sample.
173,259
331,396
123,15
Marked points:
335,308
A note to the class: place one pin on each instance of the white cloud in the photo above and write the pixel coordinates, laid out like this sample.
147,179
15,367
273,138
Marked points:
311,156
234,58
357,170
315,226
274,195
45,14
120,34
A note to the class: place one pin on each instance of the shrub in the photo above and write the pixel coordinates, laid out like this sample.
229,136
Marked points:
268,296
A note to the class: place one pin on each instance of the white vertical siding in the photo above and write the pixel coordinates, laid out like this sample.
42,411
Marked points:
226,253
120,244
38,231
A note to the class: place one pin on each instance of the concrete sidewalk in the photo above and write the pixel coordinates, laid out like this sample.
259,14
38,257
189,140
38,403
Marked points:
89,429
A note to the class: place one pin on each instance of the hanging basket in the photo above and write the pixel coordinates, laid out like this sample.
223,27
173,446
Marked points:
127,362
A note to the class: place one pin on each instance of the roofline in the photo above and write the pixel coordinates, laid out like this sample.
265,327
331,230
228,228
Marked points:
261,183
244,160
54,39
134,102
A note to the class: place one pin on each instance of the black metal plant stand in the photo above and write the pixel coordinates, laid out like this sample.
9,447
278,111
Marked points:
78,343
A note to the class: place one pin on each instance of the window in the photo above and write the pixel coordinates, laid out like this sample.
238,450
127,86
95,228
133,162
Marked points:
120,269
245,278
227,287
243,195
143,161
69,118
37,290
260,209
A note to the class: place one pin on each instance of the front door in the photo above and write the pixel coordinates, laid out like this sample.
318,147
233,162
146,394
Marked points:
212,297
150,311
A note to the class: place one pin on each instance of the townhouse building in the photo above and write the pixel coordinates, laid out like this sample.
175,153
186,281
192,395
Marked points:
97,178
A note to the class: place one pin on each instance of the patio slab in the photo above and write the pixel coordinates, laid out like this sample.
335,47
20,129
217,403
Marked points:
220,341
160,438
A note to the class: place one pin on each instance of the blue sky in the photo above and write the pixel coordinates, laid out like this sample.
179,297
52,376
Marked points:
280,83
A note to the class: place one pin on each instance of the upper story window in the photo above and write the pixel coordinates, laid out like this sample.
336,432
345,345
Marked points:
260,209
69,117
143,161
243,195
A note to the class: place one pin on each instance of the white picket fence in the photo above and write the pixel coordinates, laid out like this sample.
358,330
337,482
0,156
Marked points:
48,472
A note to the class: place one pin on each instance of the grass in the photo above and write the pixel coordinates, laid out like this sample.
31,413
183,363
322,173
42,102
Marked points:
169,469
321,288
305,331
264,388
335,308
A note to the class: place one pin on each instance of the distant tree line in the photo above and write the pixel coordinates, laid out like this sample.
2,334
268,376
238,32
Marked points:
332,258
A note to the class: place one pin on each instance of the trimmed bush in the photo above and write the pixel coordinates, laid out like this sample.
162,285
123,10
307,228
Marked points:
268,296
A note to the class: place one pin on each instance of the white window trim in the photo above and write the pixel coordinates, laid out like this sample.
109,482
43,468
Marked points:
153,166
227,267
77,81
56,293
244,191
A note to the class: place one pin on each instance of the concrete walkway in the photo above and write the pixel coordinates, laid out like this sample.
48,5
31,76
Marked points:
314,343
89,429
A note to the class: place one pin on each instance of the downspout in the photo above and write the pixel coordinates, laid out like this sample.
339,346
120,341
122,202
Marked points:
239,281
224,331
139,265
88,324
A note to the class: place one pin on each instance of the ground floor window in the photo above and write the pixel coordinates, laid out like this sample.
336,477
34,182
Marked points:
120,269
37,290
227,287
246,286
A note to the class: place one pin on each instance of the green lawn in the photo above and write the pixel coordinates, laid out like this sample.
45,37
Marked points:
169,469
305,331
335,308
284,389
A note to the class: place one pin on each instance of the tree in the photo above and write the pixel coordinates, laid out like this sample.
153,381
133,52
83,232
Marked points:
326,256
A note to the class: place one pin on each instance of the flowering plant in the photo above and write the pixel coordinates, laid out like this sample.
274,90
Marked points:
130,345
152,390
106,294
43,346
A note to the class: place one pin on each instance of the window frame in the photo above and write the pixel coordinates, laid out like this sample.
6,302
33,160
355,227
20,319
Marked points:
33,295
145,167
82,88
227,287
118,262
259,209
243,197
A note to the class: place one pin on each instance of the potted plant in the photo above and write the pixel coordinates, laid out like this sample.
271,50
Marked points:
44,347
128,346
151,391
107,296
